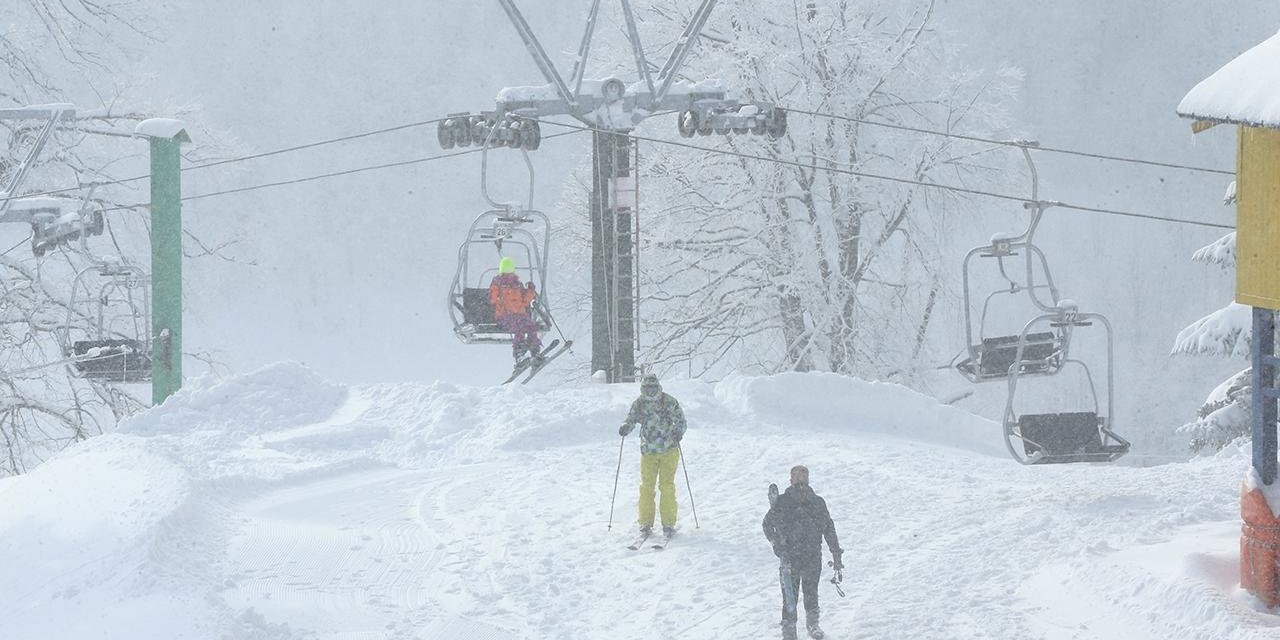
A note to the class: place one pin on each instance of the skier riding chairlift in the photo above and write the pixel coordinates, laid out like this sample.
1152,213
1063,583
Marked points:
510,312
512,302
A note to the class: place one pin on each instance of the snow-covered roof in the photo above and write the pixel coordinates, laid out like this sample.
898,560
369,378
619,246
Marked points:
1245,91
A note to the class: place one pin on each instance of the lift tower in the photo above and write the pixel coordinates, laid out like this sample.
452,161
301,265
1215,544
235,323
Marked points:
612,109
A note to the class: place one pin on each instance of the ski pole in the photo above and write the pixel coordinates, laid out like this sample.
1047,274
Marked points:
615,481
689,486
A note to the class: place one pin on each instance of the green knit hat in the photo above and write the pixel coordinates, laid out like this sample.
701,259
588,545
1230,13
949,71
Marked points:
506,265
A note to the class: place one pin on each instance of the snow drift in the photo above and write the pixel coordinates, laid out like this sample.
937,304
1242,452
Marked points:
279,505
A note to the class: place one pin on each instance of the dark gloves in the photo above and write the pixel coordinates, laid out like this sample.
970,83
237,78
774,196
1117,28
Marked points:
625,429
835,560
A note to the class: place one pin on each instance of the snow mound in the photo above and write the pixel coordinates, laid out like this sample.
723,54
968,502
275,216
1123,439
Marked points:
103,537
124,515
850,405
278,506
430,423
274,397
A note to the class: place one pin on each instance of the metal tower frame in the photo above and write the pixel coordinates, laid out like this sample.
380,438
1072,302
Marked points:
612,109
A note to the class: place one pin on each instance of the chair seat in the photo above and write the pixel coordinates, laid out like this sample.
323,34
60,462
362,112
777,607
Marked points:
1068,437
116,360
999,353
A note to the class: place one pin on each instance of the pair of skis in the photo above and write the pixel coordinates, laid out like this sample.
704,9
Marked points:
549,353
658,545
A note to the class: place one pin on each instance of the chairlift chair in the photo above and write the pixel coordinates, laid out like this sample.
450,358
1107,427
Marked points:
1065,437
989,357
522,234
118,348
514,230
1041,353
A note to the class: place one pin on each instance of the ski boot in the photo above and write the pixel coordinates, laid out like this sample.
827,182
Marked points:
788,630
811,624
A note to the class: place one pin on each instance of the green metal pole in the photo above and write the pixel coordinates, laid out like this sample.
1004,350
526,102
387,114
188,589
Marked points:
166,267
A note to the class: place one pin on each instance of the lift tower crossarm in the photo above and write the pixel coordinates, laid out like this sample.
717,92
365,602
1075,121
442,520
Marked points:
610,105
685,44
53,113
535,49
39,112
580,65
642,65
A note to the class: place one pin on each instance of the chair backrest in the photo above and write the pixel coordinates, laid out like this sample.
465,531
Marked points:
118,360
1060,433
476,308
999,353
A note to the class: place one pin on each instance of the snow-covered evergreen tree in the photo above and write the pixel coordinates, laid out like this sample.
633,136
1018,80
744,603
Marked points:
1224,415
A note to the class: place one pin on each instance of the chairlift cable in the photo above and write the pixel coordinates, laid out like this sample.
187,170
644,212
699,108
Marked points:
782,161
310,145
1013,143
389,165
20,243
873,176
253,156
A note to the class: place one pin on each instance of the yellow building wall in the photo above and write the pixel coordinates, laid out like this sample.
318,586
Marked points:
1258,217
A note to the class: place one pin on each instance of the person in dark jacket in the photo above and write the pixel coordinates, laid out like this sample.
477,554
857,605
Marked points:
795,525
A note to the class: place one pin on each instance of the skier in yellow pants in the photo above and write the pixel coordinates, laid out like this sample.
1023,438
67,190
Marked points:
658,469
662,425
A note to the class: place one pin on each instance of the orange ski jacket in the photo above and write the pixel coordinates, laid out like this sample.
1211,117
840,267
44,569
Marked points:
509,296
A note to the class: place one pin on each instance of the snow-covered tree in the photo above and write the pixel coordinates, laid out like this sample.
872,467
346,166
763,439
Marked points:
56,52
1224,415
760,266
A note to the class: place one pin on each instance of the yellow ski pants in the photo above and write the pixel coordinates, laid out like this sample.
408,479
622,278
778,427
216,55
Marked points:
659,469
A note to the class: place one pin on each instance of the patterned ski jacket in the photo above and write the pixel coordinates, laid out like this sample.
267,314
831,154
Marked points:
508,296
662,423
796,524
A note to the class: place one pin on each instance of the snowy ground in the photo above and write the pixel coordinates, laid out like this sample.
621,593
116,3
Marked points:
278,505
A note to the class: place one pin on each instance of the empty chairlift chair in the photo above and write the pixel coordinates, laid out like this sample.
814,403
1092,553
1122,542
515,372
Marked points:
1065,437
990,358
107,335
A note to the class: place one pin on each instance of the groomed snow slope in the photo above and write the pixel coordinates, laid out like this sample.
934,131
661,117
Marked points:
278,505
